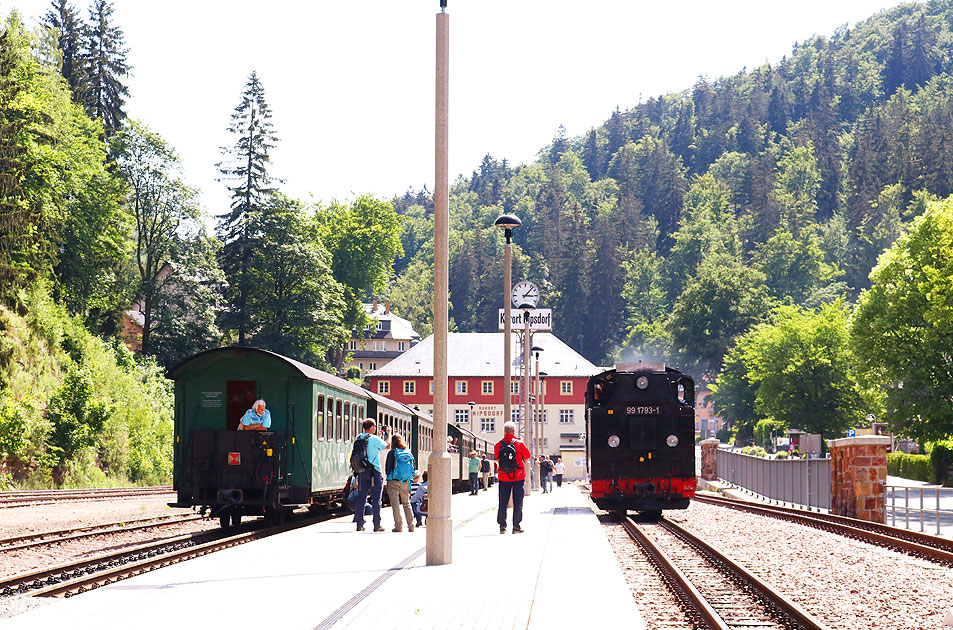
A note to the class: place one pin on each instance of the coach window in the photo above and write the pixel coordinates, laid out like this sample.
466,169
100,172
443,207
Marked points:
338,429
565,388
383,387
319,430
355,420
347,421
329,419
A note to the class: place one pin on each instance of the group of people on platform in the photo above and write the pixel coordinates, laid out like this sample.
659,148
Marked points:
407,487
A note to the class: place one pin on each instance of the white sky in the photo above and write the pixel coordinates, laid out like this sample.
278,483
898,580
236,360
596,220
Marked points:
351,84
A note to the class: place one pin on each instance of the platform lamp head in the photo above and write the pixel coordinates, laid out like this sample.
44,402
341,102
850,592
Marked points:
508,222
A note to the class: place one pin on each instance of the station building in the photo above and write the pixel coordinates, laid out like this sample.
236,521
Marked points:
476,389
707,422
388,338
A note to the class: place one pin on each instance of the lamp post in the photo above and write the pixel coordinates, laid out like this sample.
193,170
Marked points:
440,527
527,417
472,405
537,418
507,222
542,399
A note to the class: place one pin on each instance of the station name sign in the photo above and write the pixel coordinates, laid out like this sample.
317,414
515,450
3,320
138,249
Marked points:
540,319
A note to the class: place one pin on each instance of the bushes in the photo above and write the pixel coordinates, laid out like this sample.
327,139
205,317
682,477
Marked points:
77,410
916,467
941,457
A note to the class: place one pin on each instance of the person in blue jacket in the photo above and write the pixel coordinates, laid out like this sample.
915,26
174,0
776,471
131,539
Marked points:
372,480
256,419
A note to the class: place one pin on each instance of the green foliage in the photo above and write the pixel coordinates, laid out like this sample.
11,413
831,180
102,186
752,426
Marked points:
765,429
902,325
756,451
941,458
916,467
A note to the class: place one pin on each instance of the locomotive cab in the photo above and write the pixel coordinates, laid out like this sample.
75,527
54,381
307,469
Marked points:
640,438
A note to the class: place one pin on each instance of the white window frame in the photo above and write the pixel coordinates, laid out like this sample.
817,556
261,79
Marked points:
460,387
383,387
567,416
487,388
565,388
410,387
353,345
514,387
487,425
401,346
461,416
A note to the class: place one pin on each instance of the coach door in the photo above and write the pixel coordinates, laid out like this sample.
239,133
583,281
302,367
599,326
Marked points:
239,397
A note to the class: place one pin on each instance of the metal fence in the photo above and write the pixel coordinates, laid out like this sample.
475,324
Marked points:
799,482
909,507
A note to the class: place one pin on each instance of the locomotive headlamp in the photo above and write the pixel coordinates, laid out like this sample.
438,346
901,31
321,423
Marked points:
642,382
613,441
672,440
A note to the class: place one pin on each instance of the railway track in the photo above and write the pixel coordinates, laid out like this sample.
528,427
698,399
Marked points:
24,498
48,538
714,591
918,544
65,580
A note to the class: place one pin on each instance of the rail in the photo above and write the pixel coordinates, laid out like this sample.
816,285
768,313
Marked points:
923,493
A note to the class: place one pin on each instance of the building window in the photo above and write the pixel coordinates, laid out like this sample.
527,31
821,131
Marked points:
565,387
545,442
379,346
353,345
410,387
487,387
566,416
544,415
515,414
461,387
401,346
431,388
372,366
461,416
360,366
383,387
514,387
487,425
380,325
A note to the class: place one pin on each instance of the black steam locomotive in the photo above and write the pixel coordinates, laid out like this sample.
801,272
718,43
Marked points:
640,438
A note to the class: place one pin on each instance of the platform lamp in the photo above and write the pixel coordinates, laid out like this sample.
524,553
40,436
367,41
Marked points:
508,222
537,419
527,308
472,405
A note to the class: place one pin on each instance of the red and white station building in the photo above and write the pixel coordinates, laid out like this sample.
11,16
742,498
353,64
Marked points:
475,374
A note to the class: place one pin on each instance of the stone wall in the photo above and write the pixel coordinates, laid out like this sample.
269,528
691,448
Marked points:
858,477
709,459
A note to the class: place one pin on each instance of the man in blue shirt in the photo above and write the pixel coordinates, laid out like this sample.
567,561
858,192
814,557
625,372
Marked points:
256,419
372,480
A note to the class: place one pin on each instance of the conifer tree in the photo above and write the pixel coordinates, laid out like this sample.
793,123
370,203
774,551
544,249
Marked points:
246,170
105,67
72,35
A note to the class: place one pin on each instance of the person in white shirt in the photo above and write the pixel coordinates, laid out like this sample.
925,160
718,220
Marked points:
560,470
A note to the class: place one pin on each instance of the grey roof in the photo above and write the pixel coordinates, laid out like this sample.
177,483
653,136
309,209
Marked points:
400,328
481,354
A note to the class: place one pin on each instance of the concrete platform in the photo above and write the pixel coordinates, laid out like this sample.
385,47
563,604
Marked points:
559,573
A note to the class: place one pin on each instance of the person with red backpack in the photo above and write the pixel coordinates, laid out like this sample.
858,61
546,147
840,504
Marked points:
510,454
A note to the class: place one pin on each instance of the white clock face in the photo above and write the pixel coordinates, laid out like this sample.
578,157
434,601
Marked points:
525,293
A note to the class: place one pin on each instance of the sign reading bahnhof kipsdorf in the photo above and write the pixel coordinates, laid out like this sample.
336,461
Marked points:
540,319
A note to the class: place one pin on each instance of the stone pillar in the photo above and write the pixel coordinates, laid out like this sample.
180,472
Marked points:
858,477
709,459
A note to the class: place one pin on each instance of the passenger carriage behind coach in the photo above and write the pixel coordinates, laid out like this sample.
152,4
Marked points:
640,433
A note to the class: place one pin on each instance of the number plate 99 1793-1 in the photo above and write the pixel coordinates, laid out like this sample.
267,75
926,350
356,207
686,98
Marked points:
643,410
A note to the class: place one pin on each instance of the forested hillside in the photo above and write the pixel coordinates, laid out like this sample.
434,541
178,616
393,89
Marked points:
682,221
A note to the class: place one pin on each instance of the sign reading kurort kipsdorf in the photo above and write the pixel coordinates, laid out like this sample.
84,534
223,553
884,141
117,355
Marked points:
540,319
